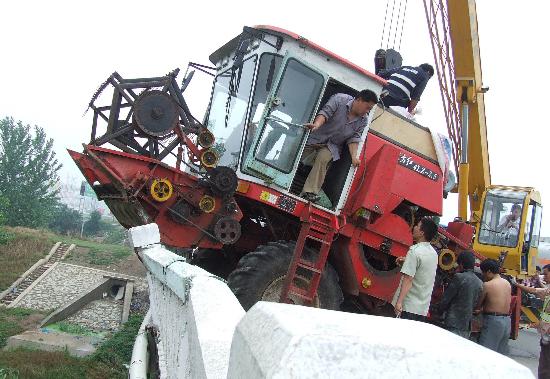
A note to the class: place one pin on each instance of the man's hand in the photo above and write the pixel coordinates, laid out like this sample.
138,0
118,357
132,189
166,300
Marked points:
398,308
399,261
355,161
310,126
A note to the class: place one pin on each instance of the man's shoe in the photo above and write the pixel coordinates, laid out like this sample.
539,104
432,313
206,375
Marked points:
310,196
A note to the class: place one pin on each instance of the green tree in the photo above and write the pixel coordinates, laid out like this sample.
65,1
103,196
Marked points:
65,220
94,226
29,172
4,204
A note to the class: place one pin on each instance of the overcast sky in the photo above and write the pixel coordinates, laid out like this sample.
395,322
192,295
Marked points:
55,54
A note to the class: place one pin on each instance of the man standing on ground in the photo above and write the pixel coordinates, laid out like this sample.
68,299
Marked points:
405,85
341,121
461,296
412,298
495,303
544,324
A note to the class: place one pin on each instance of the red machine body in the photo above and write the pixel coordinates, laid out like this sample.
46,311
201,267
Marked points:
242,228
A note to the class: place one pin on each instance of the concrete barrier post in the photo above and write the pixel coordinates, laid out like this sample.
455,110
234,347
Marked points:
194,312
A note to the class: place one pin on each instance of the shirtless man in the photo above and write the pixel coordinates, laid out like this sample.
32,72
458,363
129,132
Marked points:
495,303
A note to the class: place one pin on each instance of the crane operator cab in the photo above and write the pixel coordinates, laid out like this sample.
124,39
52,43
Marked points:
509,227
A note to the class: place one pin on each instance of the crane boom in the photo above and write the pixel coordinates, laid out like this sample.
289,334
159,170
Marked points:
452,25
453,31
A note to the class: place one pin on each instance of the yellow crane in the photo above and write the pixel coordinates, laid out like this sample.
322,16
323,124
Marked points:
506,218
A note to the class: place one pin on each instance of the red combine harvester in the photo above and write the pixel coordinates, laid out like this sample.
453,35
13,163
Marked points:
226,190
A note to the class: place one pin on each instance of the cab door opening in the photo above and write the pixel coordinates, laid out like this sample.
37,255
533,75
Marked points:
338,171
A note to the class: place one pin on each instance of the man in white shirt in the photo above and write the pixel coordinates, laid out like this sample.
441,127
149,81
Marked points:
509,224
412,298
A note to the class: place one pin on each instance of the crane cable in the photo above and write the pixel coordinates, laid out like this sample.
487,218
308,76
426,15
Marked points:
403,24
389,30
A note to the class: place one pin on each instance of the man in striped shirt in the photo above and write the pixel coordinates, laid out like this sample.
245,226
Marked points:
405,85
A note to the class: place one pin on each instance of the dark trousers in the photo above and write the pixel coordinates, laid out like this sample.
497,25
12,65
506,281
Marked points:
544,362
413,316
390,101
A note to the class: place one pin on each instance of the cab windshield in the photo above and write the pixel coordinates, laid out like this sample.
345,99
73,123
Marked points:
501,219
228,110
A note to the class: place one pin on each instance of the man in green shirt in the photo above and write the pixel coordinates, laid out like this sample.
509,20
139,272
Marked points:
412,298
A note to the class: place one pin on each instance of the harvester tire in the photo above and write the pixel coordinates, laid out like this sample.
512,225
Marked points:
213,261
259,276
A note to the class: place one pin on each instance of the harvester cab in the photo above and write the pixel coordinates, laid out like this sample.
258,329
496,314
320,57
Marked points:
258,110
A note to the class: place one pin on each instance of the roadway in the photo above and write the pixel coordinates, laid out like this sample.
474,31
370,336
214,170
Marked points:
526,349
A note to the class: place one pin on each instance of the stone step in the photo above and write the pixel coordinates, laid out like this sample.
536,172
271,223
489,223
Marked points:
78,346
34,275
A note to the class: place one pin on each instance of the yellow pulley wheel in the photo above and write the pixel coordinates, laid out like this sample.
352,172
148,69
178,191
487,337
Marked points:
447,259
209,158
207,204
161,189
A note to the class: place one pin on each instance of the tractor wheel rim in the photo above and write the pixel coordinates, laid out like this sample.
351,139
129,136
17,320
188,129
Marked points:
273,291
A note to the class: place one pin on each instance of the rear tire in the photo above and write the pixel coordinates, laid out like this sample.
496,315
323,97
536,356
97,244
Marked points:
260,274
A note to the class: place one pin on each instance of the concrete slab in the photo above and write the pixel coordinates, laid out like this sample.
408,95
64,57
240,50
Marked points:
144,235
128,292
75,305
78,346
289,341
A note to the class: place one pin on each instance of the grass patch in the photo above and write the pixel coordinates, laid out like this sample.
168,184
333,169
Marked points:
19,251
99,254
52,365
67,327
107,362
14,321
117,350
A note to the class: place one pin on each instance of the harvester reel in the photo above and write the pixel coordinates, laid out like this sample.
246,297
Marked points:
155,113
227,230
161,190
149,117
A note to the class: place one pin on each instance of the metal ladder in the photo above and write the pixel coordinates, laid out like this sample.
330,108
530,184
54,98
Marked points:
319,227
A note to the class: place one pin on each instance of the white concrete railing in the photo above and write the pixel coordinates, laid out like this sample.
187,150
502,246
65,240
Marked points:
203,332
195,313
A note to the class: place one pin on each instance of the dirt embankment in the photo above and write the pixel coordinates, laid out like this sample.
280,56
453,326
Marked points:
19,250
